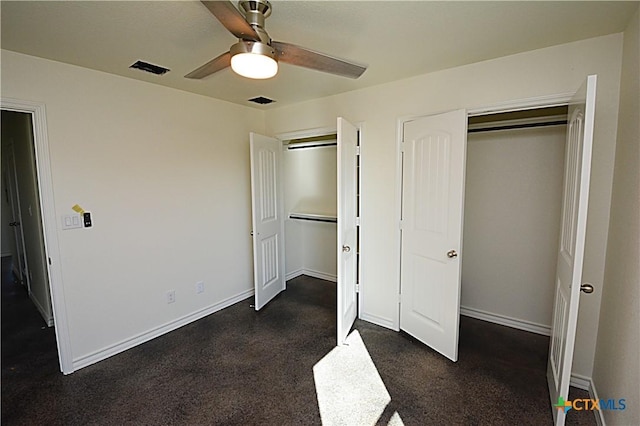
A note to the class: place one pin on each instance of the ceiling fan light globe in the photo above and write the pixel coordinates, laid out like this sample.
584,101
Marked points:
254,65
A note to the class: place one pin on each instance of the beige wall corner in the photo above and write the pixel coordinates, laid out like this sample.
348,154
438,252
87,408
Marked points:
616,371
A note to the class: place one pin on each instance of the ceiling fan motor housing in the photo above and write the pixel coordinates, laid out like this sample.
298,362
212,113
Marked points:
255,12
248,46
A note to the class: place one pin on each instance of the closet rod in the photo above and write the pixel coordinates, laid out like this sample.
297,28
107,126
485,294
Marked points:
313,218
517,126
319,145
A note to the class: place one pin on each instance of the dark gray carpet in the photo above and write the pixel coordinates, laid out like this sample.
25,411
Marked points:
239,367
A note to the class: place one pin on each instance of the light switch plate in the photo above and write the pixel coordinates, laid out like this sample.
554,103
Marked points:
71,221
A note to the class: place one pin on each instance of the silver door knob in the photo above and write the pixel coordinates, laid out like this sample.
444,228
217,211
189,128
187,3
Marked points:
451,254
346,249
587,288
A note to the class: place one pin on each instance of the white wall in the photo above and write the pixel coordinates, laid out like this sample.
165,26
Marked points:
165,174
617,367
549,71
513,200
311,187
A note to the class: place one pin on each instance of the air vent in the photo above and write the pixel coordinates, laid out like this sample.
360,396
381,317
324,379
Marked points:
147,67
261,100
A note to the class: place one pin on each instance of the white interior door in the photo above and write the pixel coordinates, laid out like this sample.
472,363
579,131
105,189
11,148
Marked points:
14,192
267,218
572,240
347,233
434,150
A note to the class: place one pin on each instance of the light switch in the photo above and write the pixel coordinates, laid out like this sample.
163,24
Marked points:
71,221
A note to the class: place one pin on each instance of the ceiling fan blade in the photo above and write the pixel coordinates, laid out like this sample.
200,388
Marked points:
232,19
221,62
303,57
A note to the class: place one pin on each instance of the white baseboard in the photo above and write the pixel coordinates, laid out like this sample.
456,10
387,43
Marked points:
580,382
47,317
294,274
129,343
321,275
377,320
505,320
593,394
311,273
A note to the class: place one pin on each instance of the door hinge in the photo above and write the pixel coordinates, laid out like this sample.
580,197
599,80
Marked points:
50,261
357,150
401,225
402,146
357,221
357,287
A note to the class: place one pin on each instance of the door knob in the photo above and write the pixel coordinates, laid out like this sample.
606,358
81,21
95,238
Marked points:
346,249
587,288
451,254
14,223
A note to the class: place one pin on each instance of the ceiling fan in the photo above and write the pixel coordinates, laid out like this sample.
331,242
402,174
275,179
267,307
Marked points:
255,55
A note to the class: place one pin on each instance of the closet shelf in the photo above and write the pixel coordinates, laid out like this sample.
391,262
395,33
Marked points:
313,217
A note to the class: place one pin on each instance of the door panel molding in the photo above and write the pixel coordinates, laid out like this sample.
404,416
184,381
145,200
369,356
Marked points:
347,229
575,203
267,215
434,158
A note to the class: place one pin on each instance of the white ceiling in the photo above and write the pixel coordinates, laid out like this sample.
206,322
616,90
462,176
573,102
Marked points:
397,39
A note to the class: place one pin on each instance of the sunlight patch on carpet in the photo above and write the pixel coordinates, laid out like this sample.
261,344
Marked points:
350,390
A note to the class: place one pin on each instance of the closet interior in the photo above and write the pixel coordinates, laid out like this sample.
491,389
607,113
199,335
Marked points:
310,203
512,215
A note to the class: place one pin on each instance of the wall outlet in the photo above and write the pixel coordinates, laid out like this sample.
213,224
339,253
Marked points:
171,296
200,287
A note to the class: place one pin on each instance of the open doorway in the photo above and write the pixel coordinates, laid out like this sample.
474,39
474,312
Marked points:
28,336
432,150
40,150
325,197
512,214
310,198
22,229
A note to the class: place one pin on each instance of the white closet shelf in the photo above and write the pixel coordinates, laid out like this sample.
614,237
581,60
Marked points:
313,217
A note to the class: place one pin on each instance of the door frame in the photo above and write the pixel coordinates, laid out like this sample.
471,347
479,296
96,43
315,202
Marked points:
554,100
330,130
37,111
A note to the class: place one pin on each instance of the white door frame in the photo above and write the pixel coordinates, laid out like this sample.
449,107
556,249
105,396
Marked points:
560,99
49,223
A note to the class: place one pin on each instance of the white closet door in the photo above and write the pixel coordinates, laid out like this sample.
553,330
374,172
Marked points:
571,251
268,218
432,199
347,232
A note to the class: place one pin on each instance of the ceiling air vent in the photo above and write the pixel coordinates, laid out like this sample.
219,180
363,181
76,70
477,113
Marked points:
261,100
153,69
